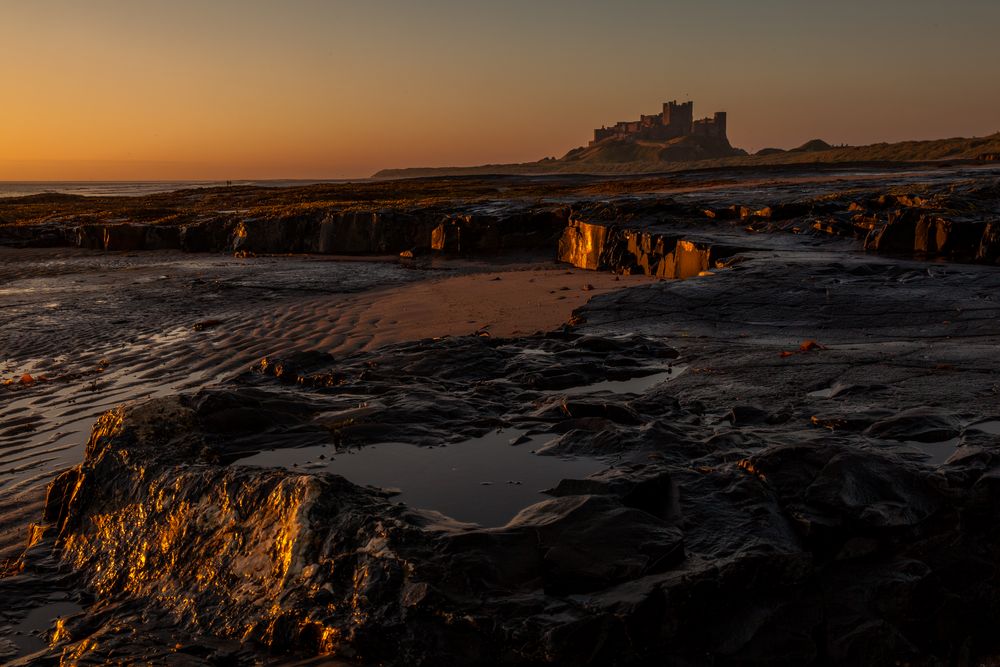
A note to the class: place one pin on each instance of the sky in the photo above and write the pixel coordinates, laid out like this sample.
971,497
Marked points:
254,89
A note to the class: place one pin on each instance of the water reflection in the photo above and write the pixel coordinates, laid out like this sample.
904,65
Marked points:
484,480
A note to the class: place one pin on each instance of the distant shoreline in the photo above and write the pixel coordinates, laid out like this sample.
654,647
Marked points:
138,188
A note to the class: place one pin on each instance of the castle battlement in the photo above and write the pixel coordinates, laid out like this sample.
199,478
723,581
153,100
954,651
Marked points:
676,120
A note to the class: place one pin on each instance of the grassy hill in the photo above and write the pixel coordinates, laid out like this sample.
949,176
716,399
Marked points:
681,149
618,157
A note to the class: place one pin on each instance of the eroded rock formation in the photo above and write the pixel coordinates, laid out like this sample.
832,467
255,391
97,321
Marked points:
642,231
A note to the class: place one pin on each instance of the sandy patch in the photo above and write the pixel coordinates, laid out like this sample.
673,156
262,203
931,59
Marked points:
506,303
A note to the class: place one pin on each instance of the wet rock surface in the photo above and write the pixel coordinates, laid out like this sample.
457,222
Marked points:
813,482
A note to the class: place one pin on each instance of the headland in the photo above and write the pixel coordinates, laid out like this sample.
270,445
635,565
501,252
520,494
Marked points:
673,140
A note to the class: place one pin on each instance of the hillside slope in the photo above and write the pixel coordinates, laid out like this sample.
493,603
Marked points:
682,149
616,157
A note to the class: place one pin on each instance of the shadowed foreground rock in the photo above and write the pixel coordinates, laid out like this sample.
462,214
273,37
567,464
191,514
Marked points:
717,533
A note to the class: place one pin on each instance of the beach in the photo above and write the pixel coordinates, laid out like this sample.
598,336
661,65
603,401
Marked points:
532,417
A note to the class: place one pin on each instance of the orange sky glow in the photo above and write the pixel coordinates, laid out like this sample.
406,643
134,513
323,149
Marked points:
110,90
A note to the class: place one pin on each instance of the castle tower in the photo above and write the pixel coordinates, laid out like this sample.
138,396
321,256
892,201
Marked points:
678,118
720,124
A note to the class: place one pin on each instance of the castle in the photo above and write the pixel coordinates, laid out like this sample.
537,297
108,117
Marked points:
676,120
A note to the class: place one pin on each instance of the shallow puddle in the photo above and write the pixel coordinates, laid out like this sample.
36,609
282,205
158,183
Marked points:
30,634
636,385
992,427
936,452
484,480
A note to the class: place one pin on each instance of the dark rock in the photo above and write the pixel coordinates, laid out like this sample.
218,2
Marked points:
780,211
917,424
447,238
742,415
614,412
897,235
119,236
832,491
162,237
646,488
590,542
211,235
726,213
36,236
988,251
296,367
598,246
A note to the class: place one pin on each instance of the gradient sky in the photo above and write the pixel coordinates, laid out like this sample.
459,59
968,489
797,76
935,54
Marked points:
238,89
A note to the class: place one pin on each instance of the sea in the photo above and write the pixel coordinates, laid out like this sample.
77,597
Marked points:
134,188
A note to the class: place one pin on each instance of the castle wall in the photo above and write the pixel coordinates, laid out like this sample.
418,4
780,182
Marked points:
602,133
676,120
714,127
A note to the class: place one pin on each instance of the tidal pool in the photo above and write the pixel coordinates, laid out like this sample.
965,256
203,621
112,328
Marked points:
30,634
991,426
635,385
485,480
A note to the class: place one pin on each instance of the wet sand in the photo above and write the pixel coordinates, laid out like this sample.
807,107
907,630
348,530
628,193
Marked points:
514,302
